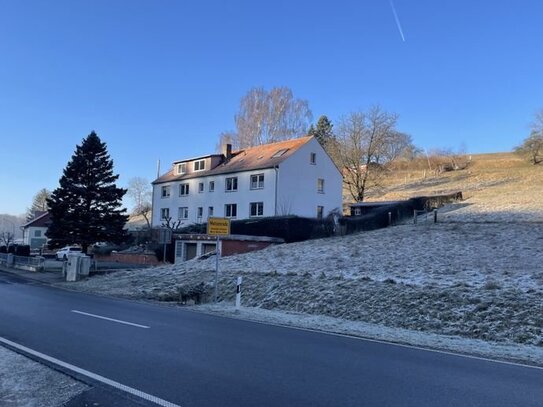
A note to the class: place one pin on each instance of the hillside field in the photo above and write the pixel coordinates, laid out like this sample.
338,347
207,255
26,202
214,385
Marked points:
472,282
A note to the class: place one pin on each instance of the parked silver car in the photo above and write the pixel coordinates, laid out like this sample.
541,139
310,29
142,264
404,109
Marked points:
63,253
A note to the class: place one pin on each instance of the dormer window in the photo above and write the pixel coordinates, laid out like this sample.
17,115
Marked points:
199,165
181,168
279,153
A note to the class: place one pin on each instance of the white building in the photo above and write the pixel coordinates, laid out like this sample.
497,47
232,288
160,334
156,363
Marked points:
34,230
293,177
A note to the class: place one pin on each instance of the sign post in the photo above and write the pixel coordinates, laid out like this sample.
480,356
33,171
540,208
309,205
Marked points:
217,227
165,237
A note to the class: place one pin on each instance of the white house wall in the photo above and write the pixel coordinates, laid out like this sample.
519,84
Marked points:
35,236
217,199
297,183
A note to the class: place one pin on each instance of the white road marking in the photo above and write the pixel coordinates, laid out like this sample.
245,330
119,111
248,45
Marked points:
94,376
110,319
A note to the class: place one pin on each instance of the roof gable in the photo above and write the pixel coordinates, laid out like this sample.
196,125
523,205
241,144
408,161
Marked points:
40,221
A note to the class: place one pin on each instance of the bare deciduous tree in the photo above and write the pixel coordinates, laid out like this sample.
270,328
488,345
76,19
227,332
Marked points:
447,159
6,238
10,226
367,142
266,117
139,191
532,146
169,223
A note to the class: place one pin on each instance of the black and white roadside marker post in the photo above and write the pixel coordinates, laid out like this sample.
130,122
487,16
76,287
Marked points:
238,294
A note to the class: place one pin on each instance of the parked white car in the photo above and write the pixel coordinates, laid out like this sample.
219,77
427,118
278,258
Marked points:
63,253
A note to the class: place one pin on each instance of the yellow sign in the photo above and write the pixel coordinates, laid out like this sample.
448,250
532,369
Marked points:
218,226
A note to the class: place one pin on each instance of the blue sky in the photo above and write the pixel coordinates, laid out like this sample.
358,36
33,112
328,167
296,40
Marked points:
161,79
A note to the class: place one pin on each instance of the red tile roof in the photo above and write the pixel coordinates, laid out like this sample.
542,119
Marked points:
249,159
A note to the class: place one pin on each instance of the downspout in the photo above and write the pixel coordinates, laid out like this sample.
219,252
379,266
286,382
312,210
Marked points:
276,168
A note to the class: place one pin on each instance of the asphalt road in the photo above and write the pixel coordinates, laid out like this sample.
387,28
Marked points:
193,359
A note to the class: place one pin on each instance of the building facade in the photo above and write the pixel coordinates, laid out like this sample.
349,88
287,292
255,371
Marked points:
293,177
34,230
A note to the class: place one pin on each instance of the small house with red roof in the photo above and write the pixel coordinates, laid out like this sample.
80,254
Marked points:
34,230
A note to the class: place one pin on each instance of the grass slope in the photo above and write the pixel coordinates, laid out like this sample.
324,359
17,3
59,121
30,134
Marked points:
476,274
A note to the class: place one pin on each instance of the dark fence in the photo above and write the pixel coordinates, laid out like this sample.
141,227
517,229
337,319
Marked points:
289,228
296,229
385,215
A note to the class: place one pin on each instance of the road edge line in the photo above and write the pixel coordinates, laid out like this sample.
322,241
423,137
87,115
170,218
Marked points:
90,375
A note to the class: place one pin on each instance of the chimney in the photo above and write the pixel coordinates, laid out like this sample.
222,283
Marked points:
227,151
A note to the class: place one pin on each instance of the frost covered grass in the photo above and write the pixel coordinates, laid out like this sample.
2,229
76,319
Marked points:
477,274
475,280
24,382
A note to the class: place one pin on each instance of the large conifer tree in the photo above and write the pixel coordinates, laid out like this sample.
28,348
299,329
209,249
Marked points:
323,132
86,207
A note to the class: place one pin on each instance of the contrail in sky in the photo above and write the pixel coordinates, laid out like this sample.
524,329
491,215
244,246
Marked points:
397,20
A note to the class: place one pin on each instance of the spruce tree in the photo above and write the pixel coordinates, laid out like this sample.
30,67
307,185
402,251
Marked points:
323,132
86,207
39,204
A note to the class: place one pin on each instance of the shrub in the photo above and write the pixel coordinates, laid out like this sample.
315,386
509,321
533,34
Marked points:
22,250
3,249
492,285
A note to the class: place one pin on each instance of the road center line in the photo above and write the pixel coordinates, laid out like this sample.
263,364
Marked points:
110,319
93,376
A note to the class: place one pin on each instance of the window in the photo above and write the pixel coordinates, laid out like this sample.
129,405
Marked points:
320,211
211,186
320,185
200,212
201,187
279,153
181,168
183,212
232,184
164,213
256,209
199,165
230,210
37,233
183,189
357,211
257,181
313,158
210,211
165,192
